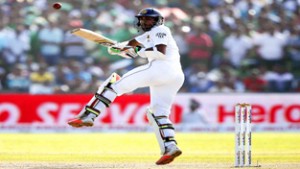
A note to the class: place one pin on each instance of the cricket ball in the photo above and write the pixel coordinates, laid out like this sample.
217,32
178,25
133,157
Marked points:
56,5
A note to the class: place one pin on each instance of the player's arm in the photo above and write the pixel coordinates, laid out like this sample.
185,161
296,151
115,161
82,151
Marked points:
160,48
127,49
134,43
123,50
156,52
133,48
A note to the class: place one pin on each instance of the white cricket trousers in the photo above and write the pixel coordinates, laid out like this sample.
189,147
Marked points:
162,76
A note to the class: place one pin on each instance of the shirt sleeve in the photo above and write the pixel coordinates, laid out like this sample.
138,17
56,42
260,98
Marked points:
141,38
160,35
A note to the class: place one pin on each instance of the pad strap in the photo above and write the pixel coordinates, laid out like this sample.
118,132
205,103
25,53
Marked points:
163,127
170,139
92,110
103,99
166,126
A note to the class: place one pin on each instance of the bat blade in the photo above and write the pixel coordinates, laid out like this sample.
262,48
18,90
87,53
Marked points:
93,36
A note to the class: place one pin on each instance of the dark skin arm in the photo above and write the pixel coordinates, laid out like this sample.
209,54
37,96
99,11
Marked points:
161,48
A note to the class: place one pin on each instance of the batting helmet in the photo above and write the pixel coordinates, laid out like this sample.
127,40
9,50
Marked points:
150,12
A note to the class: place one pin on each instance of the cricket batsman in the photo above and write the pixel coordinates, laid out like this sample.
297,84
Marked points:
162,74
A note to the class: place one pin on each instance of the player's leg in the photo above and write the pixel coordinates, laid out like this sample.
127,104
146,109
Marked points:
110,89
165,135
102,99
164,84
141,76
162,98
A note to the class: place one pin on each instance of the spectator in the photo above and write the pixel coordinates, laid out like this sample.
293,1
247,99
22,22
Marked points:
200,45
42,81
78,79
18,79
93,85
2,77
17,52
293,50
233,81
60,73
248,8
195,115
35,43
32,65
224,68
270,46
273,27
73,45
218,38
254,82
51,38
225,79
180,35
237,44
279,79
197,79
220,87
2,39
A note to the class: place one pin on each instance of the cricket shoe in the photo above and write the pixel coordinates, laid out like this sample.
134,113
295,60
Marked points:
170,154
87,121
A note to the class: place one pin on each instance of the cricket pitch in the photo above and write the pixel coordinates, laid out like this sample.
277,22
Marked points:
140,150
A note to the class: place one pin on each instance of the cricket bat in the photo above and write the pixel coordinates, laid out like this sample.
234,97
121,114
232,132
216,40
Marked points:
93,36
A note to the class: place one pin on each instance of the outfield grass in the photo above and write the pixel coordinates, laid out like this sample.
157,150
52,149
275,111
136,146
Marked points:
140,150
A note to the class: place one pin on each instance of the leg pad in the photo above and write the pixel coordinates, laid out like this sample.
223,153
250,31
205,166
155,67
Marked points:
163,129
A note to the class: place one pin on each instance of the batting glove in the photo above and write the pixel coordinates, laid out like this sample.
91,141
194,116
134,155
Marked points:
113,50
127,52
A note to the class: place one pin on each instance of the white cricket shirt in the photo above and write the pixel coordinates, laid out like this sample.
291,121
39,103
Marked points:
161,35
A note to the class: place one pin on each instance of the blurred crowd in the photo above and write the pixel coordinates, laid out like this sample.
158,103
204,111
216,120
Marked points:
226,46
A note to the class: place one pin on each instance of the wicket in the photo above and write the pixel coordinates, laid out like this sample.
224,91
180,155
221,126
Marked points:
243,135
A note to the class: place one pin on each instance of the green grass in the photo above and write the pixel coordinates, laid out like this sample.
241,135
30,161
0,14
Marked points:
206,148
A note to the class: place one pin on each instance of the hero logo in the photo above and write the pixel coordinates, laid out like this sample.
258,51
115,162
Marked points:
260,114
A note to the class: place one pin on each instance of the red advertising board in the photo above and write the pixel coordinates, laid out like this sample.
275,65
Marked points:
57,109
269,112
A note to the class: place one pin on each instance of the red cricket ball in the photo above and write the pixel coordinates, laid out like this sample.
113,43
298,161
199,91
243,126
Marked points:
56,5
